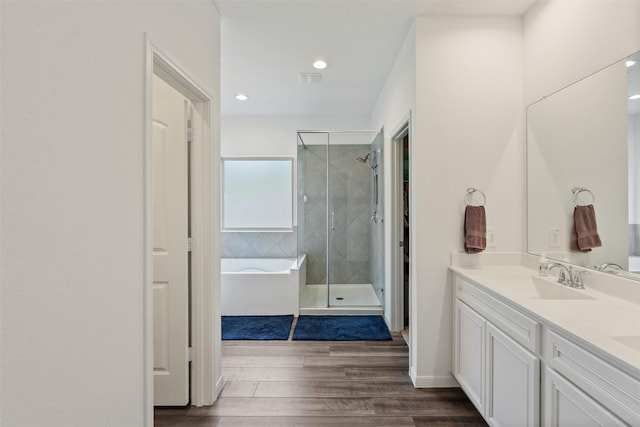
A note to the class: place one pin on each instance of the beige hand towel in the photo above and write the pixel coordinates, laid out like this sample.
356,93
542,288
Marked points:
475,229
585,230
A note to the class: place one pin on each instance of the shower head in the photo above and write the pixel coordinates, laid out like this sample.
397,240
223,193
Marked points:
367,161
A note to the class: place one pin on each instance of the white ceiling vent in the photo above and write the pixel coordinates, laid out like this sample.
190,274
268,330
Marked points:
309,77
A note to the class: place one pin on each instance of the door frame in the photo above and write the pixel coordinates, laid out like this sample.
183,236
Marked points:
397,225
206,379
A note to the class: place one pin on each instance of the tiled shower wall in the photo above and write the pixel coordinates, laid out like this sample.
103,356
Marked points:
312,210
259,245
350,199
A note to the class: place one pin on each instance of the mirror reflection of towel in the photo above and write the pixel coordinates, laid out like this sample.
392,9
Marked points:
584,236
475,229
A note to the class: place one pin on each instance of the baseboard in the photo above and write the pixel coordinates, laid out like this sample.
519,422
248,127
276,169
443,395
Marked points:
219,387
445,381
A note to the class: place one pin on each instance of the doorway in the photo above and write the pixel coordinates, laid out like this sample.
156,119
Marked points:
401,229
203,173
406,271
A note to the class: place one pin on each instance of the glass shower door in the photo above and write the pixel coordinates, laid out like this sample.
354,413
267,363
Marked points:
312,217
338,213
349,237
336,203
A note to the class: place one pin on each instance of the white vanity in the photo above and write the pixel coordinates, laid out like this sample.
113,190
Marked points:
529,351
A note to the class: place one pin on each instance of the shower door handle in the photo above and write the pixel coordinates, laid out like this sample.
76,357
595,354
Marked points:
333,220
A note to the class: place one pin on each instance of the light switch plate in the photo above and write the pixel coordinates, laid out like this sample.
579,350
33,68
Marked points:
554,238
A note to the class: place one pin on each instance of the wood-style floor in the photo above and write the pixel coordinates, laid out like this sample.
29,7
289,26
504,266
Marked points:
311,383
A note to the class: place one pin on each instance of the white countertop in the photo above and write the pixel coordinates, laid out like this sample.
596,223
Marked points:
609,325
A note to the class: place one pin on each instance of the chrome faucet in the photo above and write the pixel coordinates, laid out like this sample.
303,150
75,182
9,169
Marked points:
577,279
566,273
611,266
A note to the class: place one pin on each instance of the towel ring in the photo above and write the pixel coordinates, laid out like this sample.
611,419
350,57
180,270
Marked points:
469,196
577,190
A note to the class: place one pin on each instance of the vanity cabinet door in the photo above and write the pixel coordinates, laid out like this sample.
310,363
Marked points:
469,352
512,382
565,405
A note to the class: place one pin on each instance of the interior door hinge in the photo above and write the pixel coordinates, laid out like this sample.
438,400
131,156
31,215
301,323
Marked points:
189,244
189,135
190,354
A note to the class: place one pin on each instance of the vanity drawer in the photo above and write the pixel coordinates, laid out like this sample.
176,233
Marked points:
516,325
612,388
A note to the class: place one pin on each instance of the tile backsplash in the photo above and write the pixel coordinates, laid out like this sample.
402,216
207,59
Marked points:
259,244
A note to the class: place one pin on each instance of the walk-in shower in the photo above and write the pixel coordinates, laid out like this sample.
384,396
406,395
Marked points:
340,228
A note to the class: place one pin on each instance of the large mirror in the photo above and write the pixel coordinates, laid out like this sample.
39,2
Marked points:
257,194
583,148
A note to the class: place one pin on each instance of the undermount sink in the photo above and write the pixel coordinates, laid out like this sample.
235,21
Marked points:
543,289
535,287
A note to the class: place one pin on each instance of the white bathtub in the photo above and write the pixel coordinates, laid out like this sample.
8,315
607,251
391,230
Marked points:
260,286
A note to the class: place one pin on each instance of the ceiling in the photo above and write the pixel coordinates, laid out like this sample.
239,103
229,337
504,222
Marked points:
266,43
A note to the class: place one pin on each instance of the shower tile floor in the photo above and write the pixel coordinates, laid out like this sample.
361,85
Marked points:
342,296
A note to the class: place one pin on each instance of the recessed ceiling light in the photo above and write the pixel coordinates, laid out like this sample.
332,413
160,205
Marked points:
637,96
320,64
241,97
630,63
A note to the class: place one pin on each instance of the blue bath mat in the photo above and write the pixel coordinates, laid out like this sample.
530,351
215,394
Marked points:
256,327
341,328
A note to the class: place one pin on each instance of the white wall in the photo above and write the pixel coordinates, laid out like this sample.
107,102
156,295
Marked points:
72,200
566,40
393,107
468,132
276,135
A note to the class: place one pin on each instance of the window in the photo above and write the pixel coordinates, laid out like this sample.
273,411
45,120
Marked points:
257,194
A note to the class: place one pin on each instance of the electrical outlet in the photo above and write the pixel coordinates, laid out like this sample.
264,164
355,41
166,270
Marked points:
491,238
554,238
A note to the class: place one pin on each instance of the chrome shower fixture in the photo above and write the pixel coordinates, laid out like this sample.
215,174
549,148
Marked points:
368,160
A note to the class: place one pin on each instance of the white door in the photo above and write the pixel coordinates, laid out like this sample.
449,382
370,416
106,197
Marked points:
170,257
